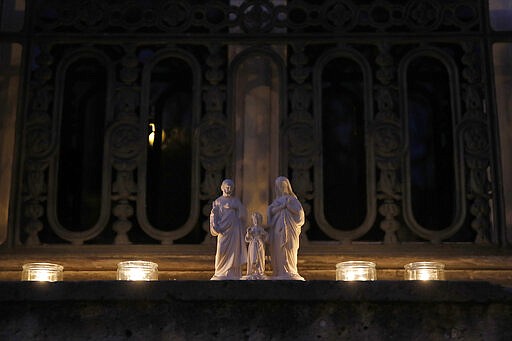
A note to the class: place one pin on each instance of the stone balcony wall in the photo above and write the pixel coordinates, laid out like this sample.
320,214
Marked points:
255,310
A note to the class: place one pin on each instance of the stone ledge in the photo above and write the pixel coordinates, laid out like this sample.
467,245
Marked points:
317,261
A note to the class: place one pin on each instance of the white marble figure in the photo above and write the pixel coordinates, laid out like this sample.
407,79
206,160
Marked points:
285,219
227,223
256,236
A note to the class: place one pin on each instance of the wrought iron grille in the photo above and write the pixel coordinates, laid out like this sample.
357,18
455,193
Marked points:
384,130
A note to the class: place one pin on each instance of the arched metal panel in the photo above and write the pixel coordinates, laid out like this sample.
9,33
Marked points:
434,194
337,128
168,201
78,181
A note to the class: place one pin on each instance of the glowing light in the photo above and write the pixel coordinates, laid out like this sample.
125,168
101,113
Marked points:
137,270
152,134
42,272
424,271
356,271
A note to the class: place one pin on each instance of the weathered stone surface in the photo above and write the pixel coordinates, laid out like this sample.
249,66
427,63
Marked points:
255,310
316,261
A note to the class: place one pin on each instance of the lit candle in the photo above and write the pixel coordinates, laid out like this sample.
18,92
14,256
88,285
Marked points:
137,271
356,271
424,271
42,272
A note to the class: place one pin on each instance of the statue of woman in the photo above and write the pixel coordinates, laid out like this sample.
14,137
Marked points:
285,219
256,236
227,223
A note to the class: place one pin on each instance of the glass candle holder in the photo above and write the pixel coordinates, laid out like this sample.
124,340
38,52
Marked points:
356,271
424,271
42,272
137,270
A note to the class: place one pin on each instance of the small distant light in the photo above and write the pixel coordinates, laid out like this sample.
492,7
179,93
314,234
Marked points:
42,272
152,134
137,270
424,271
356,271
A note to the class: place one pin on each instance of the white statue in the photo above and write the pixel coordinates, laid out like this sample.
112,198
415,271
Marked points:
285,219
227,223
256,236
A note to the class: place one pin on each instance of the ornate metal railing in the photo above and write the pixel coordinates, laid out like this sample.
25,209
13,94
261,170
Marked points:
130,41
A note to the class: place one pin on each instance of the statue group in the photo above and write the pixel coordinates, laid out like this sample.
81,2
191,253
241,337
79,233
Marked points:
237,245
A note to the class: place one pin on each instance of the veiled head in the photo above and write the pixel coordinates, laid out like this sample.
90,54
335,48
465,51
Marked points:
283,187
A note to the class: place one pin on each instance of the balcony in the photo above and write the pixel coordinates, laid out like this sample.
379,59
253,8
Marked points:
255,310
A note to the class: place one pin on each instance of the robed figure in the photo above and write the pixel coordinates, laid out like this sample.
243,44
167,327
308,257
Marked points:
285,219
227,223
257,237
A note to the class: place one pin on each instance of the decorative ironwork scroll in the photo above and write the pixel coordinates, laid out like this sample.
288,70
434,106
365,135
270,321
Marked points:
302,143
39,143
257,16
125,143
388,145
215,137
476,144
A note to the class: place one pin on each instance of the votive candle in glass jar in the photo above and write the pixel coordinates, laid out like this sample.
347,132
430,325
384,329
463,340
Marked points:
42,272
137,270
356,271
424,271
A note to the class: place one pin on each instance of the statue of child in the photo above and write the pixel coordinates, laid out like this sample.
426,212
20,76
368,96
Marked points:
256,236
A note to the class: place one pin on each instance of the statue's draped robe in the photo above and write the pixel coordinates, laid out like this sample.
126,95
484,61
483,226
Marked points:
256,237
227,223
285,228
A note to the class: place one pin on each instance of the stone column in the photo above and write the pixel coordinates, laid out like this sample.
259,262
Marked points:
256,114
